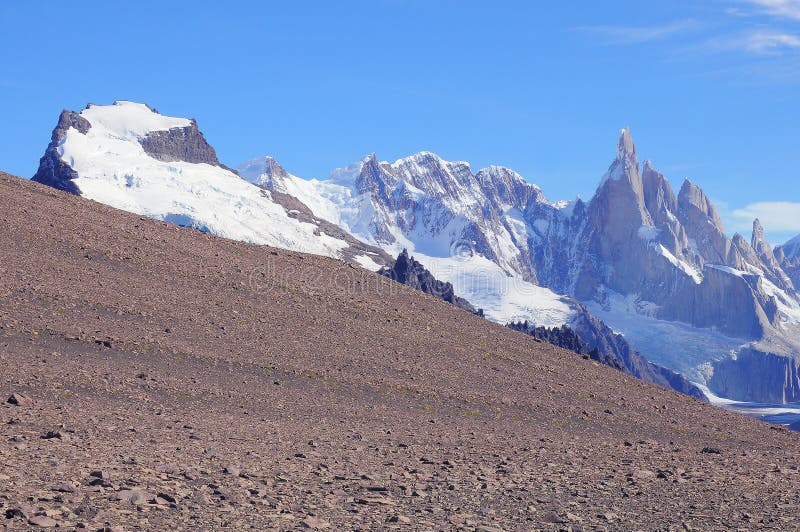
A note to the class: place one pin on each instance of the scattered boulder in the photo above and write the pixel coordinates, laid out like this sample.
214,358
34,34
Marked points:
17,399
64,487
315,523
232,470
136,497
42,521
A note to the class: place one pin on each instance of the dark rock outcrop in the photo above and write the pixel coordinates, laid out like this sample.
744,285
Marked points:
565,338
53,171
180,144
411,273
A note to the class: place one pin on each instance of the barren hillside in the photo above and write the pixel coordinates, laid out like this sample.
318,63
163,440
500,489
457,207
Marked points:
168,378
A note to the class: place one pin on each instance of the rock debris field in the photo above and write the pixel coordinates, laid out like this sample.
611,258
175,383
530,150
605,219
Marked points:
154,377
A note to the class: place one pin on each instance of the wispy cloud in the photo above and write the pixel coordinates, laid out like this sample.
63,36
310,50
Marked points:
778,8
640,34
778,216
761,42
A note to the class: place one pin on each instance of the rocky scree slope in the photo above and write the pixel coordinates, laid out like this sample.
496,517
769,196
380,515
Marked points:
165,378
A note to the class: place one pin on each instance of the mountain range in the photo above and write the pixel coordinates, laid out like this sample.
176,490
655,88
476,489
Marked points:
637,271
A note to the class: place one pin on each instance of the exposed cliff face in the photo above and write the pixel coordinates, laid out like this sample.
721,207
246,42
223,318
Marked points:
409,272
53,171
702,224
726,301
179,144
757,376
661,204
615,218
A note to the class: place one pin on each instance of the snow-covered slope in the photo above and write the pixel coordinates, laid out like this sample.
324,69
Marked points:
130,157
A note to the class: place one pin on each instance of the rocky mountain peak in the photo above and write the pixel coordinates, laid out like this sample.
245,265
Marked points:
625,146
658,194
765,254
758,237
273,169
692,197
265,172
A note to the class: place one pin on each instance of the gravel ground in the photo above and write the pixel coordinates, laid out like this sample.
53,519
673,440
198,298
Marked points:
154,377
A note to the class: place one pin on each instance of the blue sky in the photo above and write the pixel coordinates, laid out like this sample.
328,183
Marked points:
709,88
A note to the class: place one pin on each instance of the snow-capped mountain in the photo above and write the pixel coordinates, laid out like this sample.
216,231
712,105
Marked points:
655,266
129,156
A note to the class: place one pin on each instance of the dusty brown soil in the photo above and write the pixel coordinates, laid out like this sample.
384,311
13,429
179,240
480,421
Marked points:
170,379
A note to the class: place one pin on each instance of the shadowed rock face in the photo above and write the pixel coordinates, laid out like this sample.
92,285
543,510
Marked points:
180,144
53,171
702,224
757,376
411,273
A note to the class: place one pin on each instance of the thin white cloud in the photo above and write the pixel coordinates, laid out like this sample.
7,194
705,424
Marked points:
758,42
640,34
777,216
779,8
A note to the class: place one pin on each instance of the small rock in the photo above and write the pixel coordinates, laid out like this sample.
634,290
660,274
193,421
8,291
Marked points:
136,497
314,523
232,470
64,488
642,474
552,517
167,497
11,513
17,399
397,518
42,521
711,450
52,434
